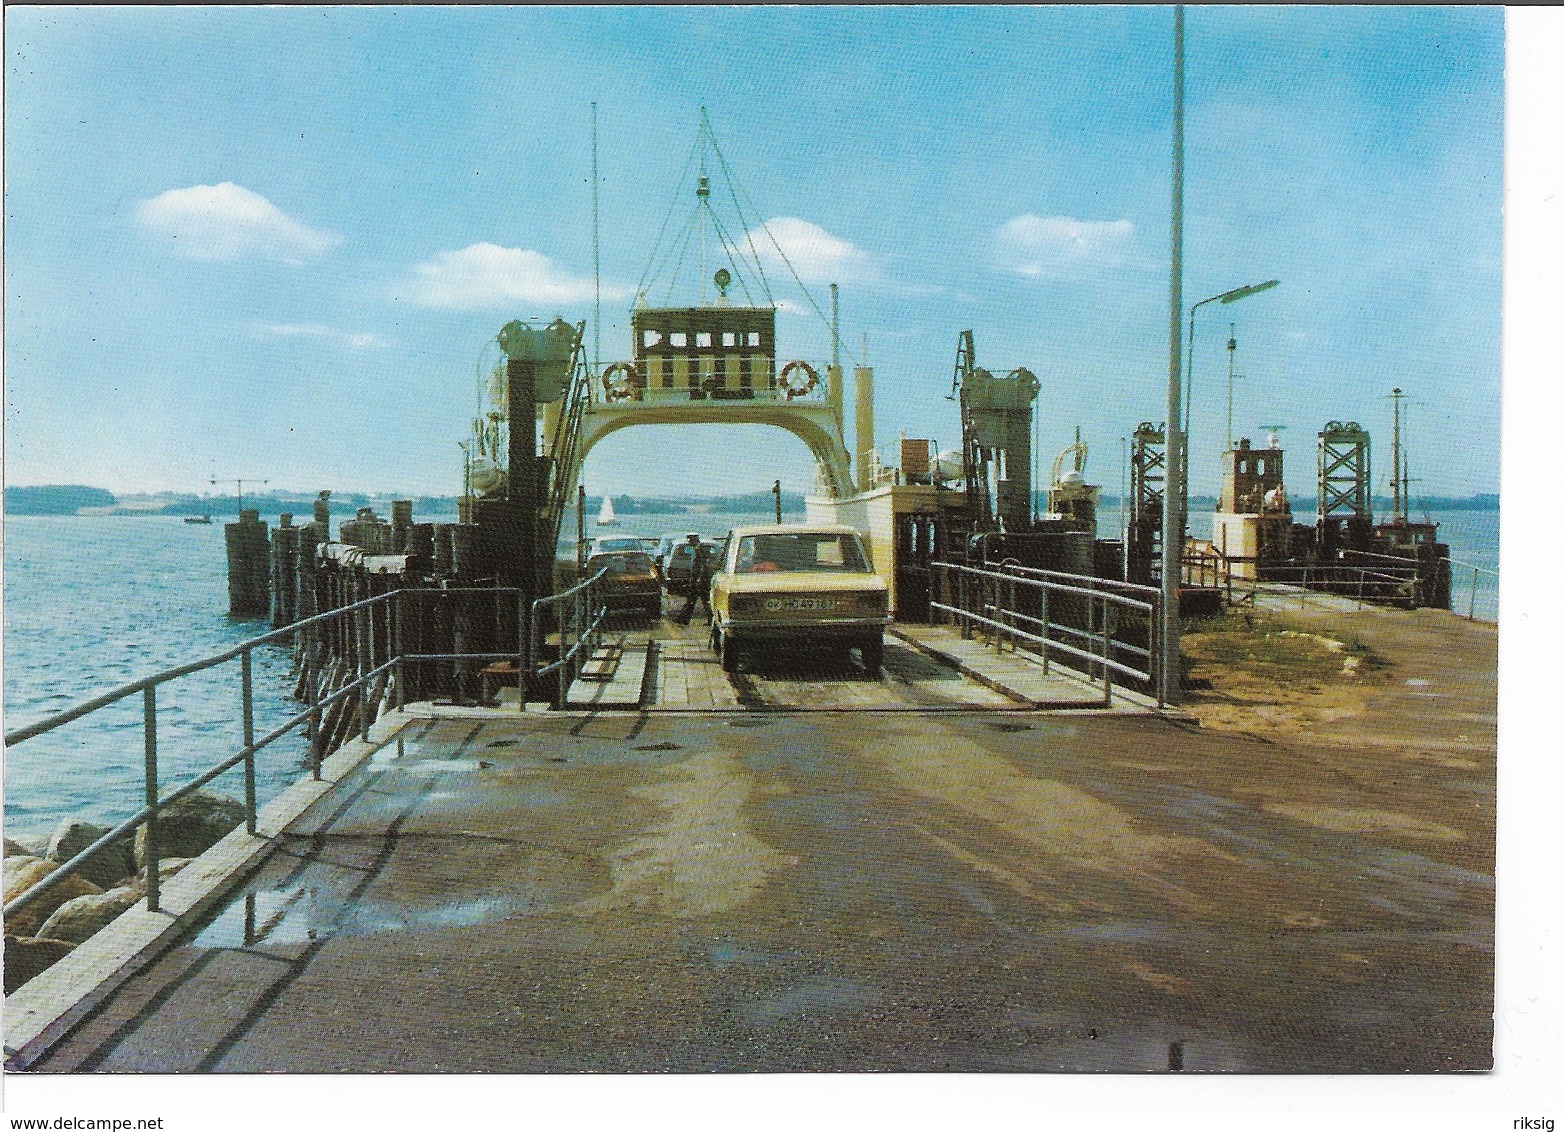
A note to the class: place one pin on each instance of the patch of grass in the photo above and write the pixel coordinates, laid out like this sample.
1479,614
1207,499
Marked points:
1267,649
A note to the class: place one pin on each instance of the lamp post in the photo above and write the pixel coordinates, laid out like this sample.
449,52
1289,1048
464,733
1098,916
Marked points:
1171,489
1189,362
1176,529
1175,484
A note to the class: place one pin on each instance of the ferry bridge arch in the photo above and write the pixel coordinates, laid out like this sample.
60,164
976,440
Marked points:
817,425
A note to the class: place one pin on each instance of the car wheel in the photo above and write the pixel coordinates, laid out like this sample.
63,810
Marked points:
874,655
728,649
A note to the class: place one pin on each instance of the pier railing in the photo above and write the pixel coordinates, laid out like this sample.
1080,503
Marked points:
577,615
370,642
356,616
701,395
1102,628
1477,572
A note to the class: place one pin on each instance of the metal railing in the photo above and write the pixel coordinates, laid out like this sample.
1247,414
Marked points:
577,612
156,803
1347,580
1206,567
567,438
716,395
1099,624
1471,608
362,632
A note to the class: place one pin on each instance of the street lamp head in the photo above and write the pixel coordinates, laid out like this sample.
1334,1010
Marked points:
1244,292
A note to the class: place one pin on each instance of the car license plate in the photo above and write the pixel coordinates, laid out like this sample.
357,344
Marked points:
800,604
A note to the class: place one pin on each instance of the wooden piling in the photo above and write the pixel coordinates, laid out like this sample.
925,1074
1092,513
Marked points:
464,551
285,568
442,550
419,547
248,566
401,523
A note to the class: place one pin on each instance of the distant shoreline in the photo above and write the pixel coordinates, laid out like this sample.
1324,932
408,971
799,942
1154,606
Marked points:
90,502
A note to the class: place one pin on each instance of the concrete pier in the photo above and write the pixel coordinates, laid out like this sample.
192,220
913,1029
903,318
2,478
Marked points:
911,889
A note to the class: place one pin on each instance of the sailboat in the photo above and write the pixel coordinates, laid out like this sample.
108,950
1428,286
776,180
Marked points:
605,517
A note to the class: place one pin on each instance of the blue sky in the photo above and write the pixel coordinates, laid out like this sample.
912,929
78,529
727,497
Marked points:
278,242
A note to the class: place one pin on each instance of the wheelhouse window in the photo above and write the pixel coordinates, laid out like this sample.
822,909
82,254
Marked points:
800,552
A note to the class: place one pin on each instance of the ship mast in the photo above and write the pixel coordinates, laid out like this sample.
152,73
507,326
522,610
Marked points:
1397,498
597,262
1232,347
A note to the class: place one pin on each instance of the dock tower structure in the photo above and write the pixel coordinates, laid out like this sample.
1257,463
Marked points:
974,504
1345,516
1148,477
1252,524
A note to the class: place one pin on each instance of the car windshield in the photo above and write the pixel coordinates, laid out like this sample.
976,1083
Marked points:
621,563
802,551
684,552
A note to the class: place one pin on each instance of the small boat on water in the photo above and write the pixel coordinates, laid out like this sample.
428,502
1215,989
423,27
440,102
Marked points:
198,518
606,517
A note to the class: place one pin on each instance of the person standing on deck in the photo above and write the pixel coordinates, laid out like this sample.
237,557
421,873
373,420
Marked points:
700,580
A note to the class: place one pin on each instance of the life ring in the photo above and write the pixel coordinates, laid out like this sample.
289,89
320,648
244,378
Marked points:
621,382
811,379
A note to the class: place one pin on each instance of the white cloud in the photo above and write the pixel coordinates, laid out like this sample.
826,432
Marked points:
1056,245
353,340
484,276
815,254
229,222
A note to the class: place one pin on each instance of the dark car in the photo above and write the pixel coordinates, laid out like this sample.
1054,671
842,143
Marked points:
676,568
630,584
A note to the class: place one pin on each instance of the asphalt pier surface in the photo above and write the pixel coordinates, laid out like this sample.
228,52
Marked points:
868,890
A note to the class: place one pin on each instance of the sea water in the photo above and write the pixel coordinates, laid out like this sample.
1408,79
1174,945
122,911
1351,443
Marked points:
95,602
92,603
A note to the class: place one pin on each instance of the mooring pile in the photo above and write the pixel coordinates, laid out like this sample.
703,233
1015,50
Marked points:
447,607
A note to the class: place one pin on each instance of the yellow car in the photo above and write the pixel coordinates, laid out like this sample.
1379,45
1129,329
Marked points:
805,584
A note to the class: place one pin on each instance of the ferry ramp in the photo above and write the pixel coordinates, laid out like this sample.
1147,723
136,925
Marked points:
668,666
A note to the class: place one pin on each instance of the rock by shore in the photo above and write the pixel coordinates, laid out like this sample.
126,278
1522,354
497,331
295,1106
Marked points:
108,884
191,826
104,867
22,873
79,919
